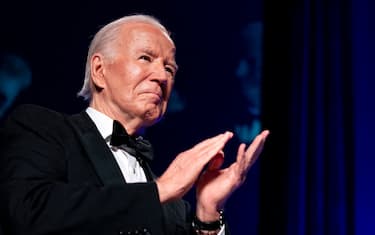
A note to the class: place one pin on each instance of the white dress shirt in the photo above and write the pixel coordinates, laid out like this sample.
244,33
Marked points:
130,168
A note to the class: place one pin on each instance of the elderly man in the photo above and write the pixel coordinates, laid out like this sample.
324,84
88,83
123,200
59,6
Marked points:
89,173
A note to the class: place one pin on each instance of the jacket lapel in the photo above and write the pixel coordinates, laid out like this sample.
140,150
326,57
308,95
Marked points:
96,149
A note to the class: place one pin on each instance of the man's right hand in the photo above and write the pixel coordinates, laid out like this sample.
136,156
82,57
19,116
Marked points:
184,170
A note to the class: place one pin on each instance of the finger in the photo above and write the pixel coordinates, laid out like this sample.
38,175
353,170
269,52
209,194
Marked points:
241,165
216,139
257,145
216,147
241,153
207,149
198,156
216,162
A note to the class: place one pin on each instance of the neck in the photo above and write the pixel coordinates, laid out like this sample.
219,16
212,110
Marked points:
132,124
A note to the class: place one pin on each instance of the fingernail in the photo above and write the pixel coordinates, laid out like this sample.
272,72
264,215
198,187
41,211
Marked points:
266,132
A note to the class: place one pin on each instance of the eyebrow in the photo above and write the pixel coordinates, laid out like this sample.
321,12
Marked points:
149,51
171,62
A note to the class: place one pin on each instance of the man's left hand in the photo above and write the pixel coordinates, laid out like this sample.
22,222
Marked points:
215,185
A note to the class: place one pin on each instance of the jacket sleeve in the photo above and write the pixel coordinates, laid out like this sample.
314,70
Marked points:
37,196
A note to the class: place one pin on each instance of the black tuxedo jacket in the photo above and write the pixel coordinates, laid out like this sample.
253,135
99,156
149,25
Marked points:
58,176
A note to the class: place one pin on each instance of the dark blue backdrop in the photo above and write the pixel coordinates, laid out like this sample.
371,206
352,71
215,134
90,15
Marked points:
315,60
364,114
318,100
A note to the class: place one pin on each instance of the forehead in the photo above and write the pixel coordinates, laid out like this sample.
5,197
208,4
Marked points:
146,35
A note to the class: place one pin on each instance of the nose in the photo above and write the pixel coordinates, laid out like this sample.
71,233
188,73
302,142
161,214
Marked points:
160,74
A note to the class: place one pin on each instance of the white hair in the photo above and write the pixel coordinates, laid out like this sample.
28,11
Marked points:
102,43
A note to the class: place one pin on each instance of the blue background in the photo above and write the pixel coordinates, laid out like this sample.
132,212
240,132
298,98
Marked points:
311,61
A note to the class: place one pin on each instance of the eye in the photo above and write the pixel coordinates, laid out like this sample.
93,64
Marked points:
170,70
145,57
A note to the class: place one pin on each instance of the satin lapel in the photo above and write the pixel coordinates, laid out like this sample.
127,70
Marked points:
96,149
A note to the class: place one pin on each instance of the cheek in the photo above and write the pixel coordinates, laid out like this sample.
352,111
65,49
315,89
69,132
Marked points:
132,72
127,79
133,77
125,70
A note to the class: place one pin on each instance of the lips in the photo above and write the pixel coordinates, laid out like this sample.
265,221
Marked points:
157,95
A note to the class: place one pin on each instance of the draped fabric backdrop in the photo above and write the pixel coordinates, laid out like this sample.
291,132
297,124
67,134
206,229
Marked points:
321,151
316,65
364,114
309,171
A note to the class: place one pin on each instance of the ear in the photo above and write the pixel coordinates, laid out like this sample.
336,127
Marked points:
97,71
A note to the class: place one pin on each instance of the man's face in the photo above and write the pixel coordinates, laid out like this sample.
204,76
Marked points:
139,79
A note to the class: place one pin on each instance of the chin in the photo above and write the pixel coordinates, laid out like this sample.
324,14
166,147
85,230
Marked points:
152,117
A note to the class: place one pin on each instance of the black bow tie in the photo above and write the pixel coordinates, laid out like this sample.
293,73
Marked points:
139,147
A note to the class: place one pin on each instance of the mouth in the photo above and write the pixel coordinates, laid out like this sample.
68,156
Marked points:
155,96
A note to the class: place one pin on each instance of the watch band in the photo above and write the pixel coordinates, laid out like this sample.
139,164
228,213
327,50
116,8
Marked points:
208,226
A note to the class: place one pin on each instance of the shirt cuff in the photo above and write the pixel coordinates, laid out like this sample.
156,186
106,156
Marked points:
222,231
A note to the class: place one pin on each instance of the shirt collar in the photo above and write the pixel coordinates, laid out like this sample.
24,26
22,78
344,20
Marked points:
102,122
